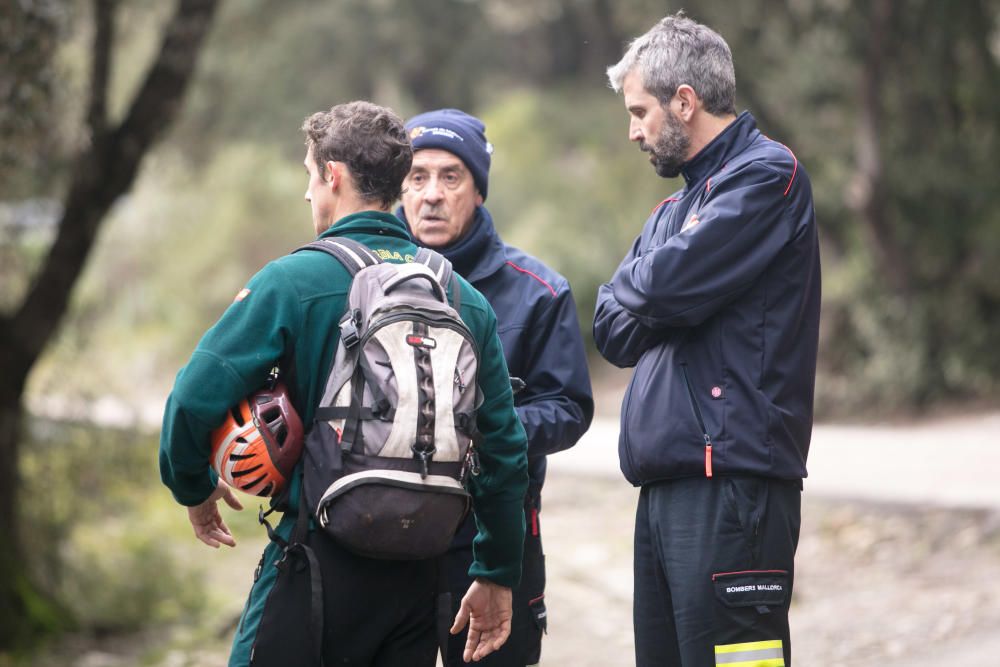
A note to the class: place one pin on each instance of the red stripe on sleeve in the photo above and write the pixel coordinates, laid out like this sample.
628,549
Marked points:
523,270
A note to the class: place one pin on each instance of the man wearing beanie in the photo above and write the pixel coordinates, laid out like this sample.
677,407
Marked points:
536,319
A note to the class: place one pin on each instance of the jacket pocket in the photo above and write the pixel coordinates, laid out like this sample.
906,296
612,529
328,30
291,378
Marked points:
747,499
696,409
624,446
760,589
751,617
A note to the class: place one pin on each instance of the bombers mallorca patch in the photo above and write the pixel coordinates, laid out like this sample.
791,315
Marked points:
242,294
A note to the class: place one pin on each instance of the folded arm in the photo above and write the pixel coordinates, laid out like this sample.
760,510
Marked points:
742,227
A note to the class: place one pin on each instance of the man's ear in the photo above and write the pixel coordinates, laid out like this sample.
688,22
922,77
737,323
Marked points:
333,174
479,198
689,102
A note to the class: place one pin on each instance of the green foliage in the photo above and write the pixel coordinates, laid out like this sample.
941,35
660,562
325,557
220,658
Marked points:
29,42
567,186
172,257
222,197
918,332
97,543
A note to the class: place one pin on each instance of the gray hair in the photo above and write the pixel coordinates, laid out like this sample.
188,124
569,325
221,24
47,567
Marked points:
676,51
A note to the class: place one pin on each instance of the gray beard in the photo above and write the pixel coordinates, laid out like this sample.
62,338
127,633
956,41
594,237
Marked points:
669,152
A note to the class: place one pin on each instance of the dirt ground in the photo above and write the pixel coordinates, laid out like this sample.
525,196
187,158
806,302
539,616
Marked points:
876,584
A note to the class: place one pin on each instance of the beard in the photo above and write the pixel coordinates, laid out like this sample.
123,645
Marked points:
669,152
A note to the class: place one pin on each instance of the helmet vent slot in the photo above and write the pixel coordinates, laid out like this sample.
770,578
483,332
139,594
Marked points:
248,471
251,483
237,415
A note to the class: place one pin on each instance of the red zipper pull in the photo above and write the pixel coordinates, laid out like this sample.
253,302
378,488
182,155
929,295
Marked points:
708,457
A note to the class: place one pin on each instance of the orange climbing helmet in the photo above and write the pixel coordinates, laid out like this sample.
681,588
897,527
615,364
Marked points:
258,444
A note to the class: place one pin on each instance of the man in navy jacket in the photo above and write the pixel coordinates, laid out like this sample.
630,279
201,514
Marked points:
536,319
716,306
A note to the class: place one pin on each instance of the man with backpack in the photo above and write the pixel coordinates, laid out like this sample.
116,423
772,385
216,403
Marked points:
315,600
443,205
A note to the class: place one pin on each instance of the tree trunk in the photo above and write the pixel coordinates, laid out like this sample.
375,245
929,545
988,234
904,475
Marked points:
102,172
15,620
869,196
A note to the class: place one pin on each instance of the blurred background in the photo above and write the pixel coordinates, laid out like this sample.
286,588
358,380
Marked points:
151,161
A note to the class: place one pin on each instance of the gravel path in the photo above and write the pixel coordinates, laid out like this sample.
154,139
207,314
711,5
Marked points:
898,562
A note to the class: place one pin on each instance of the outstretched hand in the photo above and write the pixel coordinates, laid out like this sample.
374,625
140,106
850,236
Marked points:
207,521
486,607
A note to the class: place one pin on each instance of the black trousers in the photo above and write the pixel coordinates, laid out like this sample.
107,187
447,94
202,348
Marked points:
376,613
714,566
524,647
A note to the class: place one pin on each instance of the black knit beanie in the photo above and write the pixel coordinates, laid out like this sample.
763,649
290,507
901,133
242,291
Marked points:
458,133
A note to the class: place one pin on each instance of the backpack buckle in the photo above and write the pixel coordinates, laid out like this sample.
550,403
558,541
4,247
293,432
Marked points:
470,465
349,330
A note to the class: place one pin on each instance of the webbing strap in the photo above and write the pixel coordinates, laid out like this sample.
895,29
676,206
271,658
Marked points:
296,547
365,414
352,438
441,267
444,609
315,599
299,537
353,255
272,534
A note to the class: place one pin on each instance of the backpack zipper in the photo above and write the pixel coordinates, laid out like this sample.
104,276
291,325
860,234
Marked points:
447,324
701,421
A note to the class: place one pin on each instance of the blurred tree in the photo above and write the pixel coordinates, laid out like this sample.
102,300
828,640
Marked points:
553,41
861,91
28,43
102,170
894,107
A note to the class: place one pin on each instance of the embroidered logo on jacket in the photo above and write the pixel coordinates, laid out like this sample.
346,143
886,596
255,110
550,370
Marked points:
692,222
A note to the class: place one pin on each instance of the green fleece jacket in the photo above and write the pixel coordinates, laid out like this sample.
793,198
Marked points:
288,314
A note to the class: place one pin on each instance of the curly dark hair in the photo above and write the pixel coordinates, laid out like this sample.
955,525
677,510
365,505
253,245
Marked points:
370,139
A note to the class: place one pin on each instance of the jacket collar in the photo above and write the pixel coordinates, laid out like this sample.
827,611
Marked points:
478,254
368,222
716,153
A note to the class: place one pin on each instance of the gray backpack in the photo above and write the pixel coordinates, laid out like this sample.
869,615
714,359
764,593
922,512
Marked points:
391,441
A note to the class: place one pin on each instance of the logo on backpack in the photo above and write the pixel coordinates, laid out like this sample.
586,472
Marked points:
421,341
391,442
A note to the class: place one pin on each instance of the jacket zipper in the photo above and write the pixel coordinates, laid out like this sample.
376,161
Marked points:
701,421
624,428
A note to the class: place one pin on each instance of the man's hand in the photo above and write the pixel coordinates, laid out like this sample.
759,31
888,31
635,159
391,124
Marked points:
207,522
488,605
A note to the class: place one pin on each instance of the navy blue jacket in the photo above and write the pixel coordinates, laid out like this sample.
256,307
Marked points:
717,307
540,334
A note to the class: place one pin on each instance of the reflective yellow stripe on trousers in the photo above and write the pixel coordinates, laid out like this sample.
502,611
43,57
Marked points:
750,654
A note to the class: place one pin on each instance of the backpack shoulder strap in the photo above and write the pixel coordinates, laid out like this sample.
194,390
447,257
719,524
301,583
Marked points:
353,255
442,270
